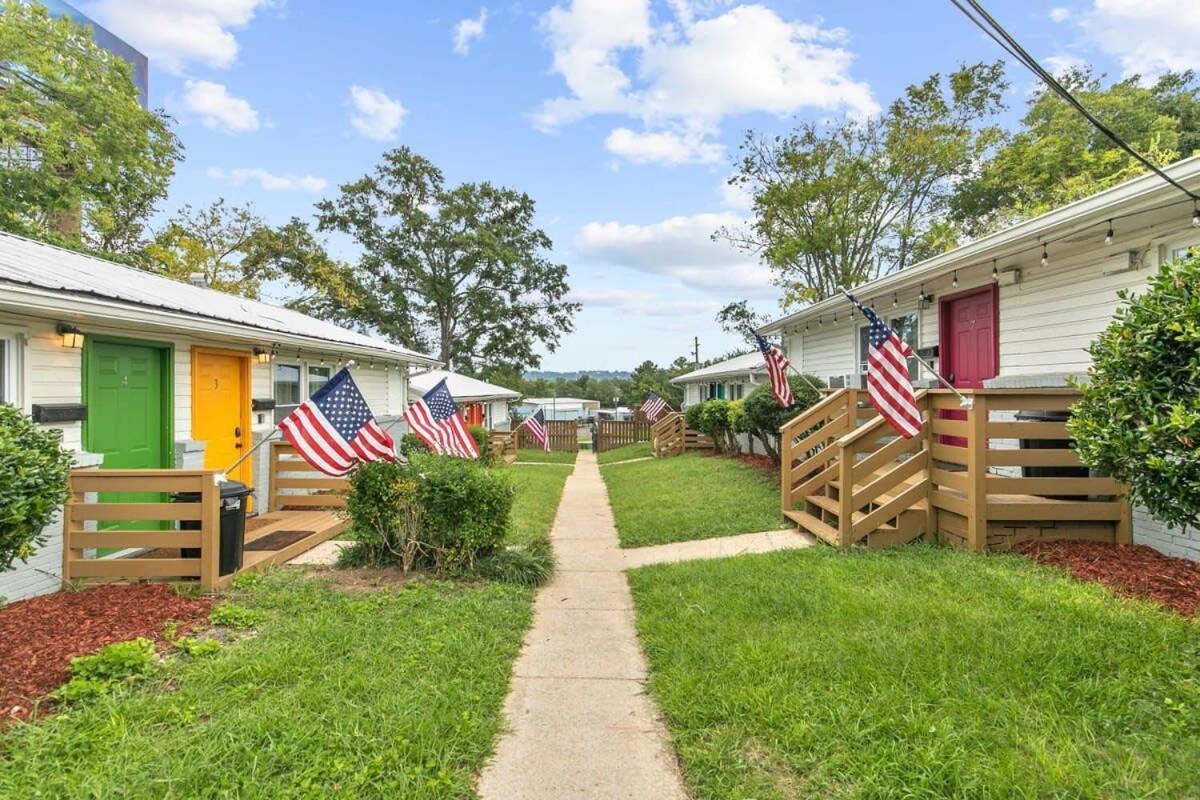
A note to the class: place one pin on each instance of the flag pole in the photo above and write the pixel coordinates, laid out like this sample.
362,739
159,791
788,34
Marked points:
963,400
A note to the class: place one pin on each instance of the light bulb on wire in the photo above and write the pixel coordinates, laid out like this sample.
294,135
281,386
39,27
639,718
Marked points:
995,272
1196,215
1045,256
954,282
1108,237
895,300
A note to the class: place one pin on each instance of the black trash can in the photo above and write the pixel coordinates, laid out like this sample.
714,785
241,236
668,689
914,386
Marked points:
233,524
1049,444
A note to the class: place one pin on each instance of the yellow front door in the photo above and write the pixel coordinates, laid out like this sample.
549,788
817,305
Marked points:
221,410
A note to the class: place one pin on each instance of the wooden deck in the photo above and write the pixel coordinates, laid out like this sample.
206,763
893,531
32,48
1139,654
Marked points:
127,510
974,478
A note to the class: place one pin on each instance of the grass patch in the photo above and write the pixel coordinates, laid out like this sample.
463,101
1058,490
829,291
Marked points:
689,497
539,490
917,673
393,694
542,457
638,450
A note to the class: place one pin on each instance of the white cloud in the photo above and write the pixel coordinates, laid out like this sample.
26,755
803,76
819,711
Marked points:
681,248
469,30
641,303
176,33
379,117
663,147
736,197
1147,37
217,108
1060,64
269,181
1060,14
688,73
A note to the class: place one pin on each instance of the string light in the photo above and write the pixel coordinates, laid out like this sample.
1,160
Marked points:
995,272
1196,215
835,318
1045,256
1108,237
820,322
954,283
895,299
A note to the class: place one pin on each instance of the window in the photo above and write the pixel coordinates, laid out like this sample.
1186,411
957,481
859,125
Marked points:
287,389
10,368
736,390
317,377
906,326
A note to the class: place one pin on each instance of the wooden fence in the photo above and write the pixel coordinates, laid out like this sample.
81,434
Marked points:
564,437
612,433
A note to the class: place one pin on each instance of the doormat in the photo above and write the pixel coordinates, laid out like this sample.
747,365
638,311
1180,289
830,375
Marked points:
277,540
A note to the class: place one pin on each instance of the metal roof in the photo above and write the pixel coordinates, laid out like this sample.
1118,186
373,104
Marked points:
28,263
462,387
738,365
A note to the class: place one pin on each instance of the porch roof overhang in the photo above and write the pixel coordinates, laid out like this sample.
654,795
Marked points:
464,388
743,366
1143,194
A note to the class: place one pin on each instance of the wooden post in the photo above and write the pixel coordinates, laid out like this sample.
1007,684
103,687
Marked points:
977,451
931,513
845,491
785,468
210,531
851,409
69,526
1124,526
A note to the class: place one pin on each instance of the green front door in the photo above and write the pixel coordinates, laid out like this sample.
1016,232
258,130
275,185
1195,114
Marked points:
128,411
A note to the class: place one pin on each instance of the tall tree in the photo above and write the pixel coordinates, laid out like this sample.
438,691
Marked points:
835,205
1058,157
81,162
460,272
739,319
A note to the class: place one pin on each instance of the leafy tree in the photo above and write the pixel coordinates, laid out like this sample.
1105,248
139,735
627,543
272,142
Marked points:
213,242
1058,157
837,204
458,271
738,319
762,417
83,163
649,377
1139,417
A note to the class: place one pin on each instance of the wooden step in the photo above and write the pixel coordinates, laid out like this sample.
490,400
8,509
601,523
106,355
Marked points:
826,533
830,505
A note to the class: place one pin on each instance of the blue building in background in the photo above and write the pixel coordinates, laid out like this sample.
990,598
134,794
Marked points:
111,43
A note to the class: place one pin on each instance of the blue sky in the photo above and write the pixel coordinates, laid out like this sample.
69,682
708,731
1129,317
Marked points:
620,117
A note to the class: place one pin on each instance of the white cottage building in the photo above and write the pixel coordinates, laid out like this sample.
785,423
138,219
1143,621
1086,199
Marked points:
142,371
482,403
731,379
1017,308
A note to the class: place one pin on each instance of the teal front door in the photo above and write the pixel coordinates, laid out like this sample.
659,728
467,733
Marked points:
128,411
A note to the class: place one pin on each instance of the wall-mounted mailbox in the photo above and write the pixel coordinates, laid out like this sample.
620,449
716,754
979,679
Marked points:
262,404
47,413
928,352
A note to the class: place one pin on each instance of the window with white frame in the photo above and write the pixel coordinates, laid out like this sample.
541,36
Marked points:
318,377
286,380
10,367
906,325
1179,250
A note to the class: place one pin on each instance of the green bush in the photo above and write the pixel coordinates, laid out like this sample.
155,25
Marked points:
1139,417
411,444
112,666
466,509
714,421
530,565
764,416
34,468
692,416
481,436
385,510
737,416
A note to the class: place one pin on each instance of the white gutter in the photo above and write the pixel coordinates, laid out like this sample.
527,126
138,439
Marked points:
64,306
1146,190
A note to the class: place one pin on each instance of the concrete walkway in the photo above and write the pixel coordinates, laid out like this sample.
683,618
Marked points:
721,547
580,724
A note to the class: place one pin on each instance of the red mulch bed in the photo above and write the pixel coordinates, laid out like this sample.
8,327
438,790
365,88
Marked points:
1133,570
40,636
760,461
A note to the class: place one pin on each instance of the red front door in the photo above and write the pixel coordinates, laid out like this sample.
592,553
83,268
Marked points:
969,347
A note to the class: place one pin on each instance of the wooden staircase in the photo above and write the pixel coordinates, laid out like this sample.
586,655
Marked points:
848,477
670,436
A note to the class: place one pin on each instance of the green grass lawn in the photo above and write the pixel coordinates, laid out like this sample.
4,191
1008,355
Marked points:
340,695
917,673
542,457
689,497
639,450
538,491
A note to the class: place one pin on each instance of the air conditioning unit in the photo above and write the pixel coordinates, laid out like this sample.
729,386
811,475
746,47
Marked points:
853,381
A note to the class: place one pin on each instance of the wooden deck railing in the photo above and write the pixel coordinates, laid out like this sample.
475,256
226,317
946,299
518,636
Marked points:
564,436
503,445
296,484
670,436
120,508
614,433
965,478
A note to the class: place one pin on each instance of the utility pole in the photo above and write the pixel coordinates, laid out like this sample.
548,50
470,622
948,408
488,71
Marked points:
696,350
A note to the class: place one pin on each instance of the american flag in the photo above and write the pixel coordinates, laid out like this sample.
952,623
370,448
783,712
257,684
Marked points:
888,383
777,367
436,420
334,429
536,423
653,406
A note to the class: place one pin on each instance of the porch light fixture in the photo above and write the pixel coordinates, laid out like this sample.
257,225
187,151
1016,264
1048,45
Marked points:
71,336
262,356
1108,237
1045,256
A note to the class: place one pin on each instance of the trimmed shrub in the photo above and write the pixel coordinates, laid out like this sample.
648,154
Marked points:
385,510
714,421
692,416
737,416
35,469
1139,417
466,509
764,417
411,444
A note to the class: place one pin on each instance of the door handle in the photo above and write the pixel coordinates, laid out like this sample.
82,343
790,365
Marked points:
238,431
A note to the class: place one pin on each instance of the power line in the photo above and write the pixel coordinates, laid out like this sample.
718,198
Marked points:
997,33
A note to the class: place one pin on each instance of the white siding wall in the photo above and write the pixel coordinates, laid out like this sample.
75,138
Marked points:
55,375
